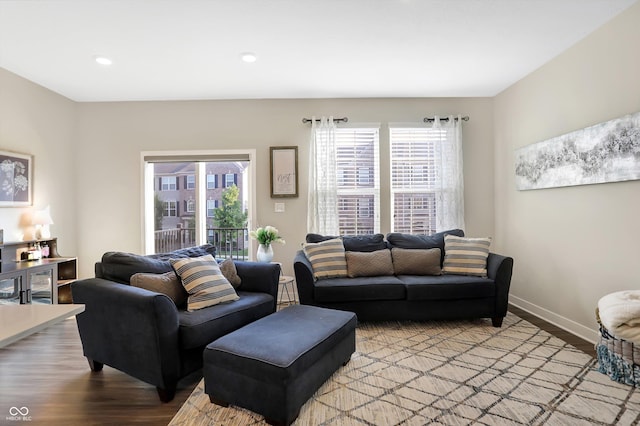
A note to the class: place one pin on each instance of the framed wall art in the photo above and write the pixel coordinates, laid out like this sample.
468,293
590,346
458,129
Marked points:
16,177
284,171
605,152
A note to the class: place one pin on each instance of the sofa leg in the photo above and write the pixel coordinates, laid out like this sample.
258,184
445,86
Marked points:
95,365
497,321
166,394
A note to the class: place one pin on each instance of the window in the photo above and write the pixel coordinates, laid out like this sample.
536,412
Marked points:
212,181
170,209
168,183
358,180
211,207
230,180
413,179
175,218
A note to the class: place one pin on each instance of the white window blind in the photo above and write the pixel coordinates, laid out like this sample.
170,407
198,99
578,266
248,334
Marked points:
357,173
414,179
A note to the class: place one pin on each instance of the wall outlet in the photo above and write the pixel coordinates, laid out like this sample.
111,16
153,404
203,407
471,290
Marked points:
279,207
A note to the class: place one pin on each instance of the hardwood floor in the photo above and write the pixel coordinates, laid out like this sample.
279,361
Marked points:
583,345
47,373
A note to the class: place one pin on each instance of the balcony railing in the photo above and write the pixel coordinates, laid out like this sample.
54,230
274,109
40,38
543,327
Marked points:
229,242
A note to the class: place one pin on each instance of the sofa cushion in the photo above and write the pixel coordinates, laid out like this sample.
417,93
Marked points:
447,287
416,261
365,243
327,258
120,266
228,269
369,264
201,327
167,283
194,251
203,280
409,241
466,256
359,289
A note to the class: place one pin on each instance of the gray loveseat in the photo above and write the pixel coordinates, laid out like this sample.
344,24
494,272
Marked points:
145,334
407,297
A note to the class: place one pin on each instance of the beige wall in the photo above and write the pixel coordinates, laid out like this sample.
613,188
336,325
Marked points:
571,245
36,121
110,137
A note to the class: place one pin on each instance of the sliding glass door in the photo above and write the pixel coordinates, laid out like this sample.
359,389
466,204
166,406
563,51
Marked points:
196,199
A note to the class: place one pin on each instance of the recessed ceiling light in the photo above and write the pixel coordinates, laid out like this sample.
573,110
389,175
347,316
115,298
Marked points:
102,60
248,57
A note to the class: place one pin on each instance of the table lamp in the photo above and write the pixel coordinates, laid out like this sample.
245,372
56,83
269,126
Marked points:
42,220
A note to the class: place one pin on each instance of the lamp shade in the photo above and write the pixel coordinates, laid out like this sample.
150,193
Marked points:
42,217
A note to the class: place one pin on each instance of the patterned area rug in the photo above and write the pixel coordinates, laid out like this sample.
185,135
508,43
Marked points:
452,373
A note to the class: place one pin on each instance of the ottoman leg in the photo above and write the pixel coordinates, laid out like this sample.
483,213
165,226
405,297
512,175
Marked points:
278,423
218,401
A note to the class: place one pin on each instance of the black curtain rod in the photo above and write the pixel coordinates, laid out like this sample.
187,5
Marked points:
336,120
431,119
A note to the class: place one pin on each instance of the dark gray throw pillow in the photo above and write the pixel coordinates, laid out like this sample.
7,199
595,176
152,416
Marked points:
362,243
120,266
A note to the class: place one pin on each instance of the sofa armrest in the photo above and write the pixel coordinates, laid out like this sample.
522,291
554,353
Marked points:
499,269
259,277
304,278
131,329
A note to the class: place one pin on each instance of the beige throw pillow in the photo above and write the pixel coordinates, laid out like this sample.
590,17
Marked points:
369,264
167,283
230,272
416,261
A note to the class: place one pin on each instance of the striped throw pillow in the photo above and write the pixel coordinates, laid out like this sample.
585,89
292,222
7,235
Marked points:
466,256
327,258
203,280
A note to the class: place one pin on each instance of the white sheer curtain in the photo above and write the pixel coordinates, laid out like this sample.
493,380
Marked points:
322,214
450,181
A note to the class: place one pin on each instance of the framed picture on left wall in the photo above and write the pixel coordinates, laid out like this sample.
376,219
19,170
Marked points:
16,179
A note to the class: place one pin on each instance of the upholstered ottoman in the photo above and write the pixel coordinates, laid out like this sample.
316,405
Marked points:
274,365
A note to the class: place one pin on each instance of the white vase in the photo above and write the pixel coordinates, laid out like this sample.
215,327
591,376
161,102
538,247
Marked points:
265,253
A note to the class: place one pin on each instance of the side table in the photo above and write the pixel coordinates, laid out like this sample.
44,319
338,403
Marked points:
285,281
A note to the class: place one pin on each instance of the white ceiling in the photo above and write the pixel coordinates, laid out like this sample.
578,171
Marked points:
190,49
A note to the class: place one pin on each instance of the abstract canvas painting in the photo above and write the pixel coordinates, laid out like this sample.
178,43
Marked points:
15,179
605,152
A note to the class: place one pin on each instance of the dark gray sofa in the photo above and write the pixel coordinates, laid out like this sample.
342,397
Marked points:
145,334
408,297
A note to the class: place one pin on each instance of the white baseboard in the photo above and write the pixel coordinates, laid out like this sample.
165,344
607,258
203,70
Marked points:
586,333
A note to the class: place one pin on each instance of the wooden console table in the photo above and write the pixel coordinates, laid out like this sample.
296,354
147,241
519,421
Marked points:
20,274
